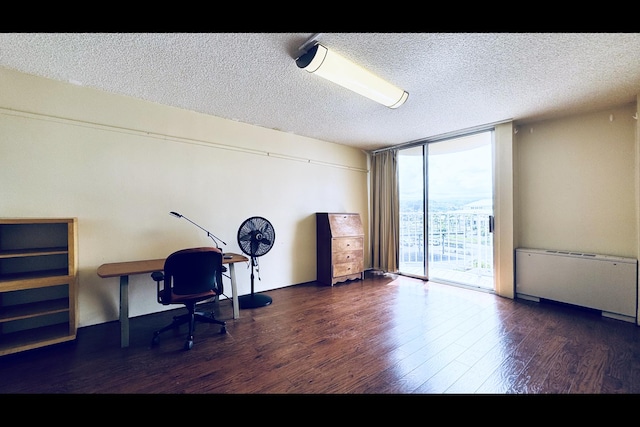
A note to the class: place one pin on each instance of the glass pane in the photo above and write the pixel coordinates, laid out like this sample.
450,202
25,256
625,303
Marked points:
411,179
460,205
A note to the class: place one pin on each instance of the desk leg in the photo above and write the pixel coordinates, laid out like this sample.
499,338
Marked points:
124,311
234,291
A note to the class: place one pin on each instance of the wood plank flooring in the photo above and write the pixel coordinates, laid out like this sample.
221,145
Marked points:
382,335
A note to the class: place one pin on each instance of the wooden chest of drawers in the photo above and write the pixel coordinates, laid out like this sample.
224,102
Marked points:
340,247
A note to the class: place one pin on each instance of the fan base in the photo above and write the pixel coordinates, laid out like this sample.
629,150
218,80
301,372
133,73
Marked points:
253,301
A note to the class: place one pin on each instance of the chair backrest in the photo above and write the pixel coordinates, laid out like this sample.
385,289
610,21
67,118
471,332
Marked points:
194,270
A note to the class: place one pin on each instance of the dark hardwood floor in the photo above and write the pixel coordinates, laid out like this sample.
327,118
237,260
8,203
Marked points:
383,335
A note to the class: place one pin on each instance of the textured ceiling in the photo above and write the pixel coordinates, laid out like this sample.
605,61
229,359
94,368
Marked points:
455,81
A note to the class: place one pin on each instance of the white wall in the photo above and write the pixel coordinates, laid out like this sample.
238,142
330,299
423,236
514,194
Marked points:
577,183
120,165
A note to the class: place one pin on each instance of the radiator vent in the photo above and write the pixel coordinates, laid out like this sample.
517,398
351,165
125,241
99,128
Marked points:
579,254
602,282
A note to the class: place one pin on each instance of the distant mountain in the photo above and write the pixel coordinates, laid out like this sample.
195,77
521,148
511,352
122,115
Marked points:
437,205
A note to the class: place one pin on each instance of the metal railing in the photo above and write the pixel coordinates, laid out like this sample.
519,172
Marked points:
458,241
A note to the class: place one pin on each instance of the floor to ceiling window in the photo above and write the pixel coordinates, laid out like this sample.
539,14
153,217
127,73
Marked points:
449,237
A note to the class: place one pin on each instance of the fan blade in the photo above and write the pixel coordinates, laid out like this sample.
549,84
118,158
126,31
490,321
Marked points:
265,241
254,247
255,223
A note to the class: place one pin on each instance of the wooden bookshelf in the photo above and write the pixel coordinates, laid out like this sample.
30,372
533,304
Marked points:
38,282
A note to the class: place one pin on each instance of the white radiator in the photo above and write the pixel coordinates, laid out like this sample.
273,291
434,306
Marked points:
601,282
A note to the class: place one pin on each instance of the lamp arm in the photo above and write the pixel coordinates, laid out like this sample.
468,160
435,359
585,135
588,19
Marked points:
209,234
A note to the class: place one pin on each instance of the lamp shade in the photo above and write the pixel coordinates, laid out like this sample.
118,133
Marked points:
334,67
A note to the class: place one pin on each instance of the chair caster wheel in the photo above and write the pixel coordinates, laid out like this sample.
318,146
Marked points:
188,345
223,330
155,340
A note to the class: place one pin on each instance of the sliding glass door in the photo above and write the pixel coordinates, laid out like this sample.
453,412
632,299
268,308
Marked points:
449,237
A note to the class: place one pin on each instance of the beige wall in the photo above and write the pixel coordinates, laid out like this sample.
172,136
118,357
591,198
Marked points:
120,165
577,183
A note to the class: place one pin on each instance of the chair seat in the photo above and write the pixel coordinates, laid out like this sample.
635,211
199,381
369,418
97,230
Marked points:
177,299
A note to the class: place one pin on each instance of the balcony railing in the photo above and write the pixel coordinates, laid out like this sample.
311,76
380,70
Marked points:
459,243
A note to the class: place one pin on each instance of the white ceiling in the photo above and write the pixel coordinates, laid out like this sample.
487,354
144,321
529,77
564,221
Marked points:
456,81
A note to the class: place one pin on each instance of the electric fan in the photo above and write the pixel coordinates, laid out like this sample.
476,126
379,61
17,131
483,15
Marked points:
255,237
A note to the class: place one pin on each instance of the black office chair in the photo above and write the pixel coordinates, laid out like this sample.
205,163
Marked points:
190,276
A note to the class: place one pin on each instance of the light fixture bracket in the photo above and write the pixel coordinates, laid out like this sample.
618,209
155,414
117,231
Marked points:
304,48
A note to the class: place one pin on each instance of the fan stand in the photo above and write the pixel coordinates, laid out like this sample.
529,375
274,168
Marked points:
253,300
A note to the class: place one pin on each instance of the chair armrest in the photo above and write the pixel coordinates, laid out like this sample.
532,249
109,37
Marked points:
158,276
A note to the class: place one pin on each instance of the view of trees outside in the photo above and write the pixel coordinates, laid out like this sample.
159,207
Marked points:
459,246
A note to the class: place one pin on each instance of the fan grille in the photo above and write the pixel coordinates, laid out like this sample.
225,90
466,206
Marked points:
256,236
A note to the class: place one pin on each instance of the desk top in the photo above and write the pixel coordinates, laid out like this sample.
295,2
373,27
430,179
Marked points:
116,269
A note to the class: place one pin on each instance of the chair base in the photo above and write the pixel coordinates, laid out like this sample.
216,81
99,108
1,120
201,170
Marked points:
198,316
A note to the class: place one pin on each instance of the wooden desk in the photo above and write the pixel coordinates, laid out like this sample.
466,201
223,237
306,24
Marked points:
125,269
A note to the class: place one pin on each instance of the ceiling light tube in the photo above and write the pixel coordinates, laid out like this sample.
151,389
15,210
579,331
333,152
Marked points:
331,66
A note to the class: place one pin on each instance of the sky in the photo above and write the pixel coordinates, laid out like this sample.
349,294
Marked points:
464,171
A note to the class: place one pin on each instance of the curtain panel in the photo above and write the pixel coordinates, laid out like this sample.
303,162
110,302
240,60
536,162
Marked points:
385,211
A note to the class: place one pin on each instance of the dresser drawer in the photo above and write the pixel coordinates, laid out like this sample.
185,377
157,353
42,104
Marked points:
346,244
348,268
346,256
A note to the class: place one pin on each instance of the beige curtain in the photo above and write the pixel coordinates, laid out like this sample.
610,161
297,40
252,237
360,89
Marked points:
385,211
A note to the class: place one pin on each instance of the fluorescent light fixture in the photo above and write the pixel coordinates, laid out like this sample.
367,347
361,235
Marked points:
331,66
